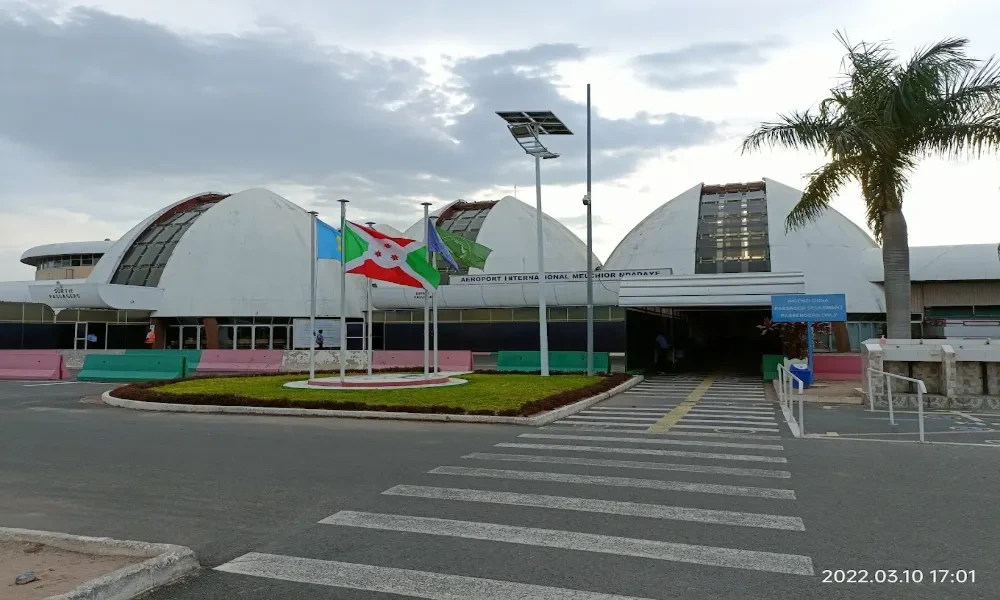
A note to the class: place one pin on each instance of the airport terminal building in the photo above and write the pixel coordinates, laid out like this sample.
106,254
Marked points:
220,270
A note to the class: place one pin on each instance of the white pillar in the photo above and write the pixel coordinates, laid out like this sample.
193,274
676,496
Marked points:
312,294
343,292
543,324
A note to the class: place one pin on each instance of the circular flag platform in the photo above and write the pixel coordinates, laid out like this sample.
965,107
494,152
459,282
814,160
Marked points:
381,381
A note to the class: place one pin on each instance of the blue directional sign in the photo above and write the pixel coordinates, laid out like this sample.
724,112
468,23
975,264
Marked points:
809,308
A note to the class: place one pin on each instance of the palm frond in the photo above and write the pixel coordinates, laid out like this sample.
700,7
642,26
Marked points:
794,130
972,96
920,83
883,183
823,184
962,139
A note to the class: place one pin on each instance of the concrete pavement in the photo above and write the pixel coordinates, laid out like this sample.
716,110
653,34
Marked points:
298,508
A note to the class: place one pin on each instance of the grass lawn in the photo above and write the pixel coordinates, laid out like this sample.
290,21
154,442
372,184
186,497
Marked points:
483,392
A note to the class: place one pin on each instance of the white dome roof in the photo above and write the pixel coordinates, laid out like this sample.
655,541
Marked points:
247,255
828,250
509,230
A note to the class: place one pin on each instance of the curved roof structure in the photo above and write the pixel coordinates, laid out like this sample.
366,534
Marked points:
507,227
241,255
34,256
689,235
968,262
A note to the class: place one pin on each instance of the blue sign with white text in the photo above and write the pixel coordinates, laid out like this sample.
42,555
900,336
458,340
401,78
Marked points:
809,308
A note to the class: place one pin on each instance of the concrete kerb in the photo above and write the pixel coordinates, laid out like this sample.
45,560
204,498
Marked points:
540,419
164,563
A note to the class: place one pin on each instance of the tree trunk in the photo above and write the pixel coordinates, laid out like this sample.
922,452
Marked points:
896,261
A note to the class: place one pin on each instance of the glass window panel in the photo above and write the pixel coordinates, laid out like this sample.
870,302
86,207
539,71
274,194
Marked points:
139,276
262,337
447,314
501,315
617,313
226,337
476,315
11,311
244,337
67,316
397,316
557,313
173,339
189,337
526,314
576,313
279,337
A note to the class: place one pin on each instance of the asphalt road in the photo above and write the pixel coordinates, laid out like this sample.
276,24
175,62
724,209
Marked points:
230,487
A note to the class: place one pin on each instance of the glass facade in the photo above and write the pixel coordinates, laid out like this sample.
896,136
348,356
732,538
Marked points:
145,260
732,230
68,260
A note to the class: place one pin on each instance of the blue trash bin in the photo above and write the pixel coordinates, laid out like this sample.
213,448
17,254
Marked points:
802,372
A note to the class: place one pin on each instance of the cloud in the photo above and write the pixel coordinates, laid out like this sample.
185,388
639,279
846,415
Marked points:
703,65
103,99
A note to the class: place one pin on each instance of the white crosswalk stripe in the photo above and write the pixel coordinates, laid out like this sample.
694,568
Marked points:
645,451
726,428
674,486
405,582
633,440
630,464
611,507
588,542
718,428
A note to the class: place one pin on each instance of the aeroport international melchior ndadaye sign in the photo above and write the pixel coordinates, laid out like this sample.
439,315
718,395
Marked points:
568,276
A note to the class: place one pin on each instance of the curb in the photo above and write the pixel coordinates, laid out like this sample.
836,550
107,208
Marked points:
164,563
535,420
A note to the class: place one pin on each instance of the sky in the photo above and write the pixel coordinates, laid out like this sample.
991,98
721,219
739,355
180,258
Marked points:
111,109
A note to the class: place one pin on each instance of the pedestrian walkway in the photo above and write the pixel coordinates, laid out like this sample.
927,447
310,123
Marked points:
683,403
522,519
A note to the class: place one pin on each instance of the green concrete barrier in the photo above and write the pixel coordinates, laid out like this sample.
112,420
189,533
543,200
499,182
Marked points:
193,356
769,366
147,366
559,361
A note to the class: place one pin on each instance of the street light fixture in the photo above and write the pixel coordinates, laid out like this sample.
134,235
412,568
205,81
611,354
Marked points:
526,127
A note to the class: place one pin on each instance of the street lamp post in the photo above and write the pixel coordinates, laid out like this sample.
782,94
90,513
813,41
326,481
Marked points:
526,127
590,256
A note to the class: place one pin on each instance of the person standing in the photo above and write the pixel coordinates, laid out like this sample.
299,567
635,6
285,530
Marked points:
319,340
660,350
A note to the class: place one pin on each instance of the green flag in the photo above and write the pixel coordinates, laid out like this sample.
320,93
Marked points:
466,252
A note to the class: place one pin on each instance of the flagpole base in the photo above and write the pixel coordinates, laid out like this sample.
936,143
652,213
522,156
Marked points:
386,381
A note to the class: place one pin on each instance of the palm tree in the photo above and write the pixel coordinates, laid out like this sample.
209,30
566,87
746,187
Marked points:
879,121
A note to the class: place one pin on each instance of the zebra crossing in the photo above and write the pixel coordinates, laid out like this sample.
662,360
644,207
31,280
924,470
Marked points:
683,403
657,508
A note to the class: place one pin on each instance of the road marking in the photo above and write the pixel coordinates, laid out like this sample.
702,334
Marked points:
557,425
611,418
734,410
403,582
629,464
630,482
970,417
792,564
724,421
646,452
699,415
639,412
726,427
570,421
671,418
610,507
665,441
63,383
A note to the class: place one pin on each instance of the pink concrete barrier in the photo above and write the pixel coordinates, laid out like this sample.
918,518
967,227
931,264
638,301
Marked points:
240,361
32,364
448,360
838,367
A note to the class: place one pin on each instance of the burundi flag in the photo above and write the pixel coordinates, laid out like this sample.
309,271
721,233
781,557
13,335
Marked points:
396,260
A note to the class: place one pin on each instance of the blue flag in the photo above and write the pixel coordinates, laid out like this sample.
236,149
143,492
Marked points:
435,244
329,242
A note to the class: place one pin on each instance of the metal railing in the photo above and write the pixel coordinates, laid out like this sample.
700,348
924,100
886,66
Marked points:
921,390
786,387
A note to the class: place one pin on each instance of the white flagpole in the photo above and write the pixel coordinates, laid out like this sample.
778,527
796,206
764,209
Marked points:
312,294
368,323
343,290
427,293
434,302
